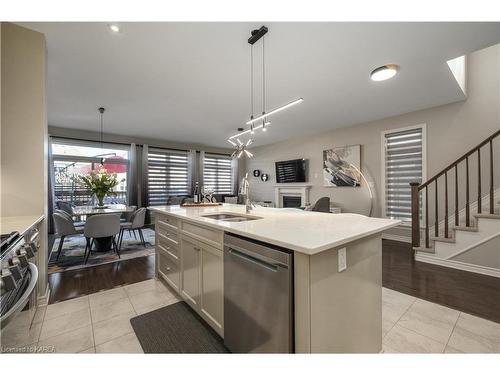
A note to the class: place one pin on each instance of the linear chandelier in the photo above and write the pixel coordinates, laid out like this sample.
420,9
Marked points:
262,119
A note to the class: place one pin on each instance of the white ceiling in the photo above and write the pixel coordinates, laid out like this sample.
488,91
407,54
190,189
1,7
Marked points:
189,82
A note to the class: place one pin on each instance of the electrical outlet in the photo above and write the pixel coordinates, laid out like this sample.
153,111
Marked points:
342,259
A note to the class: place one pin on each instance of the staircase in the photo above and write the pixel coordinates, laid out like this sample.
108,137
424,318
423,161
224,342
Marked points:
446,222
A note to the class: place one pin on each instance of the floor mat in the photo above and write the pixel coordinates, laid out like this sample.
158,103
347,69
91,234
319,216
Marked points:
176,329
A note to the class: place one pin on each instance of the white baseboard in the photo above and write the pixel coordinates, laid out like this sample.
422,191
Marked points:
495,272
395,237
44,300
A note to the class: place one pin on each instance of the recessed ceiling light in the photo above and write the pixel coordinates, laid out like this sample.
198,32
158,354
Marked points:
384,72
114,28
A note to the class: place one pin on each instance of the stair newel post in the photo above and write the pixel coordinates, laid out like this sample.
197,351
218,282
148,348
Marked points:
492,209
467,202
446,204
436,208
427,216
457,218
415,217
479,203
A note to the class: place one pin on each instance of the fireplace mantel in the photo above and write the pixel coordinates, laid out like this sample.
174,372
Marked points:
293,189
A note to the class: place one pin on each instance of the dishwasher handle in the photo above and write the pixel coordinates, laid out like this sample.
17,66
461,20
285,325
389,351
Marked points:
249,258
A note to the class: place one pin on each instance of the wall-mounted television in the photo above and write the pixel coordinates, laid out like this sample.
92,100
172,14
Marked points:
291,171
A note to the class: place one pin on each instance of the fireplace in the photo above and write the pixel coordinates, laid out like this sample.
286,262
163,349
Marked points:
291,195
292,201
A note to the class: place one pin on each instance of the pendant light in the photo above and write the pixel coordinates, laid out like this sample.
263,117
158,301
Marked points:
263,119
102,154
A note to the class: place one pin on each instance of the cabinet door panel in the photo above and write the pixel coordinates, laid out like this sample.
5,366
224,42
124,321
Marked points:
212,293
169,269
190,271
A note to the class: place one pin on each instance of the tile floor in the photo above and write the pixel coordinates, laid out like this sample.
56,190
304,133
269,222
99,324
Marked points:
412,325
100,323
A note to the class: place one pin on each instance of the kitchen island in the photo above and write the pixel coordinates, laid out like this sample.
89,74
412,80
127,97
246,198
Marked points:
335,310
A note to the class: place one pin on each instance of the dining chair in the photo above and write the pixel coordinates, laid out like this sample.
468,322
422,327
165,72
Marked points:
322,205
127,216
64,227
65,206
101,226
136,223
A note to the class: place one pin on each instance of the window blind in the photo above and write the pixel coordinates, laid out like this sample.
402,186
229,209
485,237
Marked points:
403,164
168,175
218,173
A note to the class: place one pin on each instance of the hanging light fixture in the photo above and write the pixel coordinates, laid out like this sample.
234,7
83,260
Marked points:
256,35
102,154
241,148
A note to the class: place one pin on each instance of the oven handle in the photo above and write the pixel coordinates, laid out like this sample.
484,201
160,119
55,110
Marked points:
19,305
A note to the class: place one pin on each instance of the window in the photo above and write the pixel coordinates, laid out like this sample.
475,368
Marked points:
218,173
168,175
403,162
74,158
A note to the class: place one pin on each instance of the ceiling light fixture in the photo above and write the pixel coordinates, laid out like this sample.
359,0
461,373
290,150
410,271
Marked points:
276,110
114,28
249,130
256,35
241,148
384,72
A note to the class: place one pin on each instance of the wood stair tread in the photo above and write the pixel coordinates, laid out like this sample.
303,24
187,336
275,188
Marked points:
443,239
424,249
487,216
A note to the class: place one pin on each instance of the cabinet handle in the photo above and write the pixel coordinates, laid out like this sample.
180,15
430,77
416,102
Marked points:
197,248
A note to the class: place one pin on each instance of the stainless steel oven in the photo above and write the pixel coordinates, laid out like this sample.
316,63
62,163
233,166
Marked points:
18,298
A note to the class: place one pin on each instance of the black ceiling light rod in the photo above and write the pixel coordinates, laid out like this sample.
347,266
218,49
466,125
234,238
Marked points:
257,34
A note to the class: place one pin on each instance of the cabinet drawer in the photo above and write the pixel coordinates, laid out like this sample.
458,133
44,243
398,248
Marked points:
168,222
170,236
169,269
168,246
209,236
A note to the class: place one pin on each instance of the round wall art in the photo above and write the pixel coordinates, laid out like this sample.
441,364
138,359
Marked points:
256,173
264,177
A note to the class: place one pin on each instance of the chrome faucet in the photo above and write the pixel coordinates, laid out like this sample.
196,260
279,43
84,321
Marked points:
245,190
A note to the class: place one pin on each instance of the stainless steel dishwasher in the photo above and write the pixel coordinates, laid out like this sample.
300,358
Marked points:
258,297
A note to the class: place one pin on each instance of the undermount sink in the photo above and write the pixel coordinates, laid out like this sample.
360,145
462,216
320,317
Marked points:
231,217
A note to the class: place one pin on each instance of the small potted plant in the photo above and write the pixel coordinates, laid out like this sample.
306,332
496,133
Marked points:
99,183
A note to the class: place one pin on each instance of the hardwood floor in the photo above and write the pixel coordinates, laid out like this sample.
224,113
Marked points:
71,284
465,291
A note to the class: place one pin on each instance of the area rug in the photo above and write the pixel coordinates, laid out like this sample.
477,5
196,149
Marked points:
73,250
176,329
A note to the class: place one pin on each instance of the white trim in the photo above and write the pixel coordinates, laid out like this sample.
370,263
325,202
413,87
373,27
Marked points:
485,201
422,126
495,272
473,246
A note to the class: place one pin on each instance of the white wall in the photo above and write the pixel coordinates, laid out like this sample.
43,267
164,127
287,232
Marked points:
451,130
487,254
24,130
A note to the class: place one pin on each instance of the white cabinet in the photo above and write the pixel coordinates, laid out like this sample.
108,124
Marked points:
190,258
190,271
212,286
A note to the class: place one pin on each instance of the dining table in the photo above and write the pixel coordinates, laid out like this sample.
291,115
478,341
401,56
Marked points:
103,243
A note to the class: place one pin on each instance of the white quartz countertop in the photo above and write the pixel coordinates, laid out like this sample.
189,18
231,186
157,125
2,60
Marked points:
303,231
18,223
